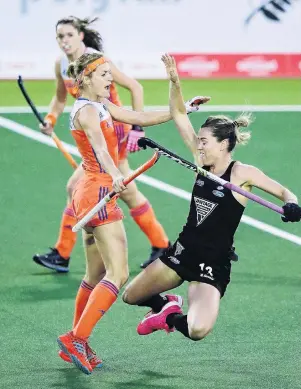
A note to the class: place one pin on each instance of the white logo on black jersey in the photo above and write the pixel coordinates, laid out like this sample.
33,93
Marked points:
218,193
179,249
203,209
200,182
174,260
220,188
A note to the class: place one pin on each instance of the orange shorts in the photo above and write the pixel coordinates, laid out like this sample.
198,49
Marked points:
122,131
88,192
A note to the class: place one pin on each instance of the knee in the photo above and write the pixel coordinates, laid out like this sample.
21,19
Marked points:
127,296
198,332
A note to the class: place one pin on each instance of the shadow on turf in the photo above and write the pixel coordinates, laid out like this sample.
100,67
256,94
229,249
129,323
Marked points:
147,379
62,287
72,378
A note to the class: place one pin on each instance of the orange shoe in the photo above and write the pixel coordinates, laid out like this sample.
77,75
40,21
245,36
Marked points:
95,362
76,349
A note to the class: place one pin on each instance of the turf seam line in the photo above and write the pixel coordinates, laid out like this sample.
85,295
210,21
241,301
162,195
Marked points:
205,108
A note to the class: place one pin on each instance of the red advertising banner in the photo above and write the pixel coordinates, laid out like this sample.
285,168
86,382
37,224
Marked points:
238,65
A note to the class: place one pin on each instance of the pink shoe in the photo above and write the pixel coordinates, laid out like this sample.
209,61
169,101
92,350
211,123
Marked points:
175,297
157,321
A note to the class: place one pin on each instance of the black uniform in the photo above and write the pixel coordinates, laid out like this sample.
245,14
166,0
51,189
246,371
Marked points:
201,253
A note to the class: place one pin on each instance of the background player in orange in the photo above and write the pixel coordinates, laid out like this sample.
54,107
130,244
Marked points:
75,38
104,236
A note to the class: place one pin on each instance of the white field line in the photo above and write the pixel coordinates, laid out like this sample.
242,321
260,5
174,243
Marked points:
205,108
153,182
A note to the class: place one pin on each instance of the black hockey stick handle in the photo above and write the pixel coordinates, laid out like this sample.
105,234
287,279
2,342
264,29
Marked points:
29,101
146,142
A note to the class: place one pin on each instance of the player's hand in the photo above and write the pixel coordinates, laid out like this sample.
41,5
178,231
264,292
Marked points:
193,104
292,213
118,185
48,129
171,67
135,134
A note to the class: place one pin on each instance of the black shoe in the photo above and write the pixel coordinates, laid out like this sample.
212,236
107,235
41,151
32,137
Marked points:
155,254
52,260
232,255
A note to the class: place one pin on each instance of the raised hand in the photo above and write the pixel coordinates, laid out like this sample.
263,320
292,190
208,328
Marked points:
171,67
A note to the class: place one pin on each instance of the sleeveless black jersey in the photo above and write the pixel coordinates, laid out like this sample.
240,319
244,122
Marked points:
213,219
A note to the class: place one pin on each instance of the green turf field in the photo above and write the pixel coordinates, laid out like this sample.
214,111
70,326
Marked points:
256,341
282,91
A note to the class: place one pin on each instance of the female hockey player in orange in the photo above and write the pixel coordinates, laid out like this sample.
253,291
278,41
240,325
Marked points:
75,37
104,237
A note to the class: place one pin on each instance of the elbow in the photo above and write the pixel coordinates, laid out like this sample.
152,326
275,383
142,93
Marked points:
177,110
61,98
177,115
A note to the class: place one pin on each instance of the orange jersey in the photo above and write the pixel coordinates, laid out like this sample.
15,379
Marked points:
90,162
122,130
96,183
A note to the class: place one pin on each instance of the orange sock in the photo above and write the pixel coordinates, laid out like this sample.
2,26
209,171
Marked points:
67,238
100,300
81,300
146,219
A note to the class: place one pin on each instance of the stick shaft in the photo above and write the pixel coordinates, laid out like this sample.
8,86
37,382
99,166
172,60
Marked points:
169,154
147,165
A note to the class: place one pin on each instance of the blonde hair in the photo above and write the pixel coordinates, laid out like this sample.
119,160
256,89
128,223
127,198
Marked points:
76,68
223,127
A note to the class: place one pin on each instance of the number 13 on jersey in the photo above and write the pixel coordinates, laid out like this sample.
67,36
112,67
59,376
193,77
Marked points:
206,271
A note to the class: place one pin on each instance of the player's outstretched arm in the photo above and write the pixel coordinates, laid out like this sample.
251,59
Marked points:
178,108
255,177
143,119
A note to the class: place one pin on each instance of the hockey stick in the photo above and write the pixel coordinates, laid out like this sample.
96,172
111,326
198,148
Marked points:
146,142
147,165
56,140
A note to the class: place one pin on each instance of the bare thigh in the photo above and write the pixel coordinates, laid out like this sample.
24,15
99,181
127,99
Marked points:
203,302
156,278
77,174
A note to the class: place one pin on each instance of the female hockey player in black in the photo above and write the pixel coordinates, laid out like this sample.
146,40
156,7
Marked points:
200,254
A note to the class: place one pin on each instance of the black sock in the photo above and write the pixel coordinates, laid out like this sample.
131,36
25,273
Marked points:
178,321
156,303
